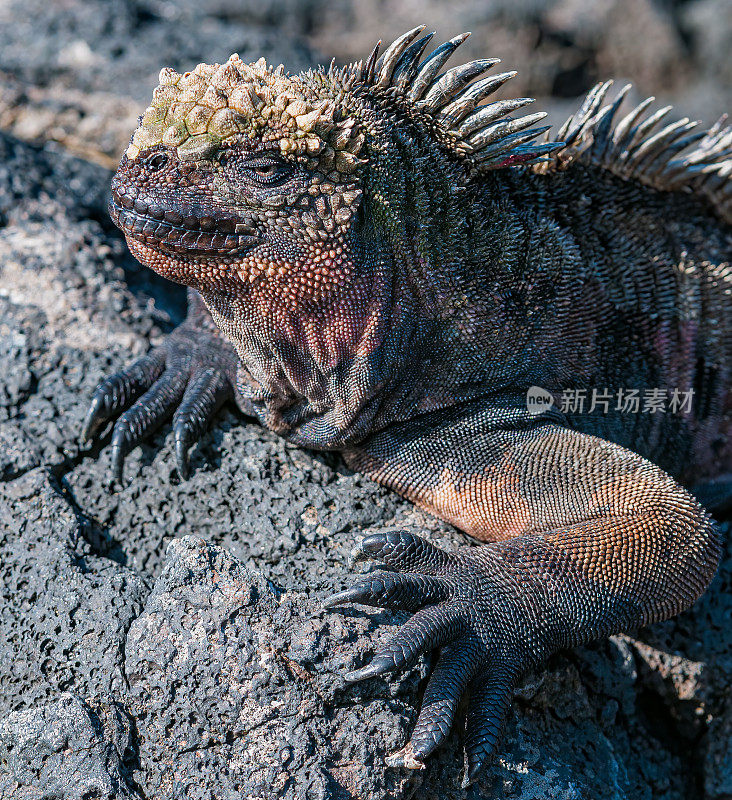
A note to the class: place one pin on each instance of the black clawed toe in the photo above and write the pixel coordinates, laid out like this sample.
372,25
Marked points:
203,397
395,591
489,705
146,416
461,609
188,378
401,550
379,665
430,628
120,390
452,674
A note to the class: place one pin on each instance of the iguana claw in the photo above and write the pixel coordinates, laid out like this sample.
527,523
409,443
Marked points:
188,378
476,653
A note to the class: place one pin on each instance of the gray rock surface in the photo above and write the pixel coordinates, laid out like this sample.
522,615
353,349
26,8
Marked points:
66,610
67,748
165,639
260,678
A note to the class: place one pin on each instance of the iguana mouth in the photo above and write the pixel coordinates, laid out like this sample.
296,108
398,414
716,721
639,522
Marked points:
168,230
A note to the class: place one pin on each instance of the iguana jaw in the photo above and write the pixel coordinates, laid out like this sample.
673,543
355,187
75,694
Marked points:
178,228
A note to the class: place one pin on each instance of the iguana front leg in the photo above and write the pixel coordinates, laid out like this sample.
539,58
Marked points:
586,539
189,377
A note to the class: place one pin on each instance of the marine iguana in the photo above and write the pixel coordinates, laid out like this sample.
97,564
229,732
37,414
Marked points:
384,262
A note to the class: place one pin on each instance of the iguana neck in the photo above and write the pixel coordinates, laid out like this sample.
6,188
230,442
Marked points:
318,370
411,331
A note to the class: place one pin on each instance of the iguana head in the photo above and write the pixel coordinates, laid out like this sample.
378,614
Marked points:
240,174
242,177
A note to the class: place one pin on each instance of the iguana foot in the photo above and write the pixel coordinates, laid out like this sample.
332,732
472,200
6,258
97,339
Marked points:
462,607
189,378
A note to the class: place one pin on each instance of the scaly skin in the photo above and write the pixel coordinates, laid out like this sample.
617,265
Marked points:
391,271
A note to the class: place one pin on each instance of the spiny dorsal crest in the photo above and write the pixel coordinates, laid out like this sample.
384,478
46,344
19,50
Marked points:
676,157
312,116
482,133
673,157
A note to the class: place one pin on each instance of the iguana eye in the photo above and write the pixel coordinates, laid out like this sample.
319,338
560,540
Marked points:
268,171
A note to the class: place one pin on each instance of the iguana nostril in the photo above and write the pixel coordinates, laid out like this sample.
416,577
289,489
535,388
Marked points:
157,161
